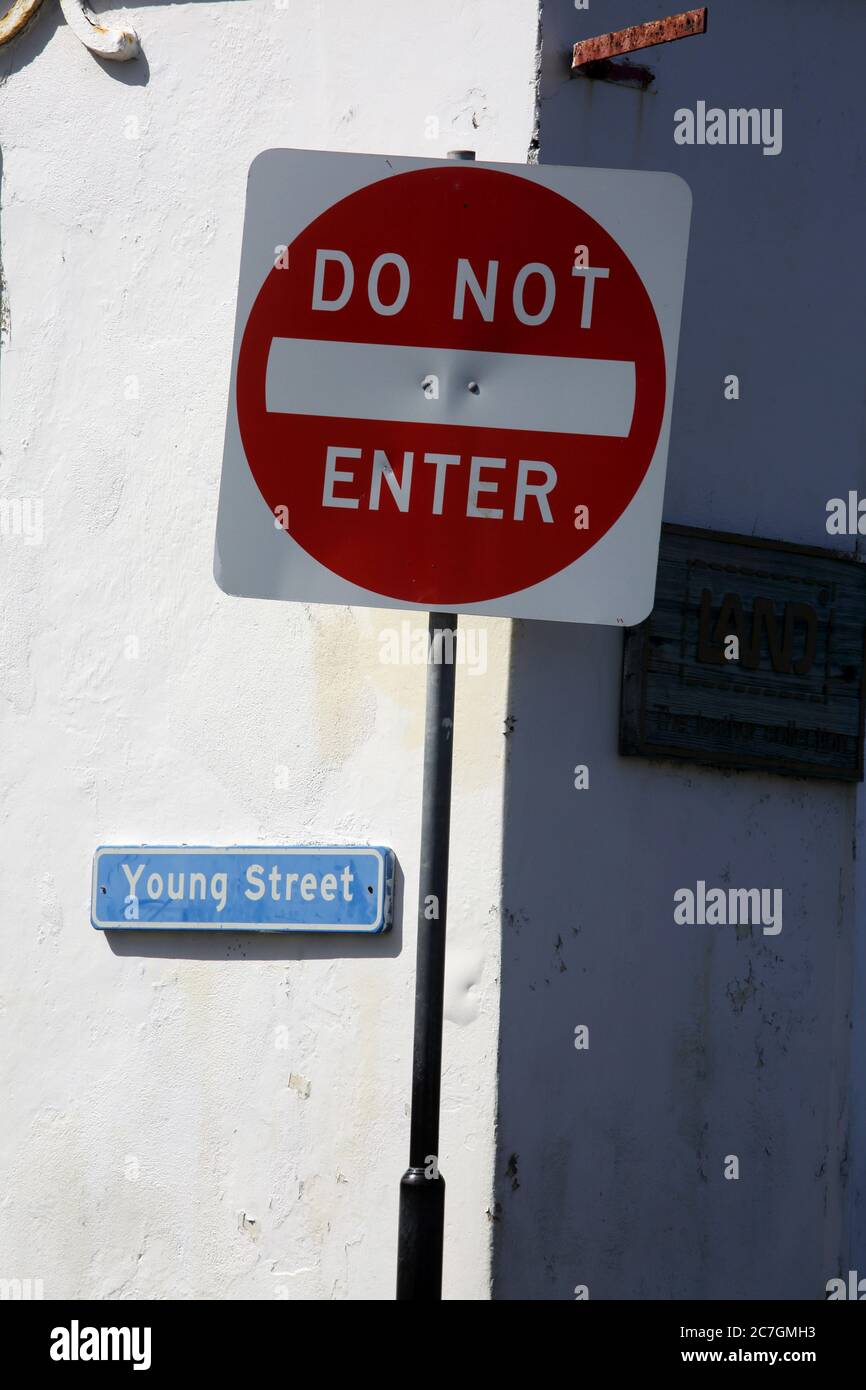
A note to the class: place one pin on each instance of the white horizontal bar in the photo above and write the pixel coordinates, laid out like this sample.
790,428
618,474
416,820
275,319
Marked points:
372,381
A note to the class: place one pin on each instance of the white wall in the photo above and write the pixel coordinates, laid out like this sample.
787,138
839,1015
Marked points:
146,1102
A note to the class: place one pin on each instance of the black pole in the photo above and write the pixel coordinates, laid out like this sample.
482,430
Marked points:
422,1187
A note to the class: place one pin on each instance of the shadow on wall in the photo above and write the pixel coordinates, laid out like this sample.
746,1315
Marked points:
704,1042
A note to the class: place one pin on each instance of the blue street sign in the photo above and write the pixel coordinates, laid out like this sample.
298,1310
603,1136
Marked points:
299,888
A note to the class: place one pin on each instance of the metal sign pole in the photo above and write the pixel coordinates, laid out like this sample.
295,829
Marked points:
422,1188
421,1222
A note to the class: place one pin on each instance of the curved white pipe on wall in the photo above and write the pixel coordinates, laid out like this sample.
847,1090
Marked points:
118,44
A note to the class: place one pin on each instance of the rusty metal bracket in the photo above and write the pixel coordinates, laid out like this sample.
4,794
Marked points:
591,57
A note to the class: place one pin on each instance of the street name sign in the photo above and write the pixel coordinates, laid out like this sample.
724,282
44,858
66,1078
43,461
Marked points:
290,889
451,385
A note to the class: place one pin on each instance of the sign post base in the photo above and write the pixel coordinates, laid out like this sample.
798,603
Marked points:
422,1225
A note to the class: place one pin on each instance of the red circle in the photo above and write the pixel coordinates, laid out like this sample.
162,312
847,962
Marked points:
432,217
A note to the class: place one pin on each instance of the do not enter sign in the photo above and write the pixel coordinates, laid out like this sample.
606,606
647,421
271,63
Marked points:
451,385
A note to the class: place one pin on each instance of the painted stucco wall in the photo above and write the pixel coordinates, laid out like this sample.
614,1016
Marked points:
190,1117
704,1041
